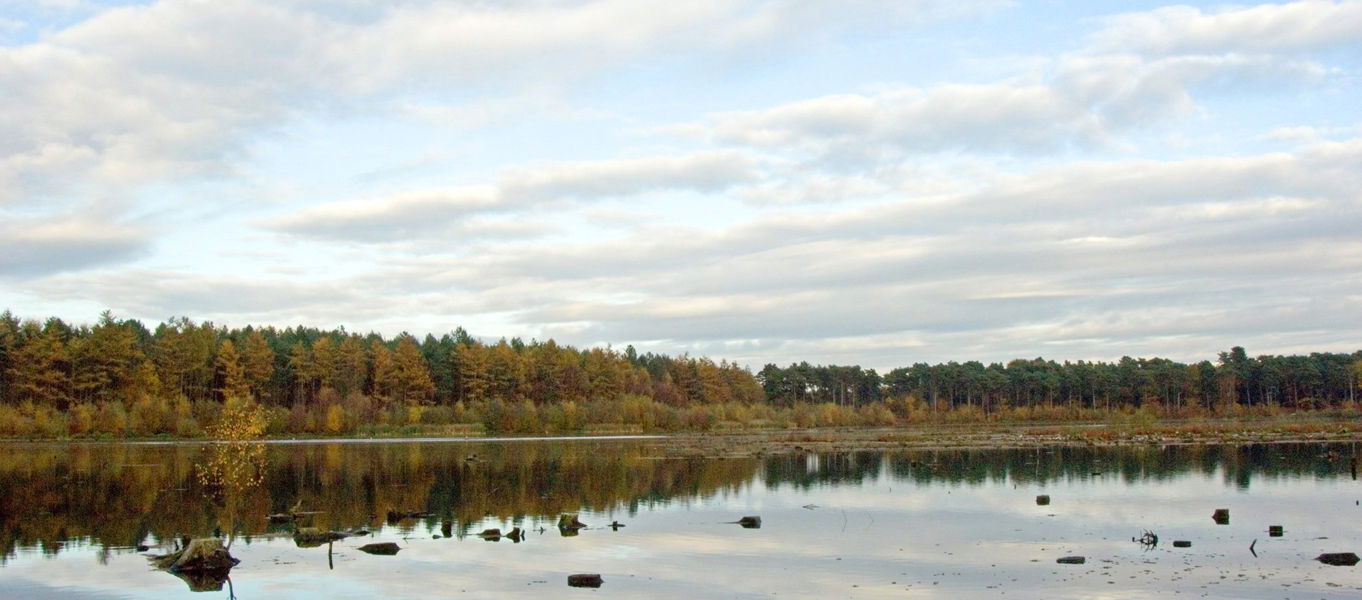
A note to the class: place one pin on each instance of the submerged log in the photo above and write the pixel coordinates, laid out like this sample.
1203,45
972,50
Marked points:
312,537
395,516
591,580
1071,560
1338,559
381,548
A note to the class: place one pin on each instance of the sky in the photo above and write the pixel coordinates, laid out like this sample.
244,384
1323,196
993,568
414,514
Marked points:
843,182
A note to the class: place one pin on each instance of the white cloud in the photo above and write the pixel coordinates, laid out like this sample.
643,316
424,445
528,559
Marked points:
1309,24
178,88
1087,103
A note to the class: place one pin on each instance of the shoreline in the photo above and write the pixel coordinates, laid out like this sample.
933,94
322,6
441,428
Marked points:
912,436
1005,436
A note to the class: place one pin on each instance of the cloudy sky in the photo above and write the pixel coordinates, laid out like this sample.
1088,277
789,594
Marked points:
877,182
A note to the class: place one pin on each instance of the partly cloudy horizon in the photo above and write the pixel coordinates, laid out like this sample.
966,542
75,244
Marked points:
864,182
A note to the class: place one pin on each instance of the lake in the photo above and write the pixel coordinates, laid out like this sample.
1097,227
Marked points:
896,524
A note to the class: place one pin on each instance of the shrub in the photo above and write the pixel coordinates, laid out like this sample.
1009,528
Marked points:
82,419
112,419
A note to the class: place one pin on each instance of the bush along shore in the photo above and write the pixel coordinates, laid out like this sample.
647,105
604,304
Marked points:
119,379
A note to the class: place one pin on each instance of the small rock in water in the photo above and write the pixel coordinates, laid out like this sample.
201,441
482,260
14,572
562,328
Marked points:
751,522
1338,559
1221,516
1071,560
591,580
1043,500
381,548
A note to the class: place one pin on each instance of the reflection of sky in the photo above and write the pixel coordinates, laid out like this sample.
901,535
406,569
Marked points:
879,536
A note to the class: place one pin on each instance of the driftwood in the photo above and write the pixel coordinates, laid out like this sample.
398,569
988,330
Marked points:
591,580
1182,544
1071,560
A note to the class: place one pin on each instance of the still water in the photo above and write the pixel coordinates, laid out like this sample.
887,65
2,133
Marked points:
898,524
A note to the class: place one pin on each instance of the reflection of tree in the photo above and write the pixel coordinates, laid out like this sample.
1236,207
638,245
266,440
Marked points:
235,465
118,495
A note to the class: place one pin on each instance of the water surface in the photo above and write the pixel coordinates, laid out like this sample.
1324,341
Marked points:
877,524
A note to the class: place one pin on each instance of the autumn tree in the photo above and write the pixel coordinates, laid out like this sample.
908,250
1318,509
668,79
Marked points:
40,372
184,357
410,383
257,363
231,373
105,362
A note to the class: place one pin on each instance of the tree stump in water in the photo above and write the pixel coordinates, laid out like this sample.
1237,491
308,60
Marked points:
203,563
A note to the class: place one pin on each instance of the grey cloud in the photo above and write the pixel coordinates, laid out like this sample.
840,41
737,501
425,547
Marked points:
1083,258
433,214
157,295
31,247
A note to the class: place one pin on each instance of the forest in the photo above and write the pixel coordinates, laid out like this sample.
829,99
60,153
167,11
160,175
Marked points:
119,378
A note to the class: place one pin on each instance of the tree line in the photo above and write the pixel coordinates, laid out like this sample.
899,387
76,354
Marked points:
119,376
1314,381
